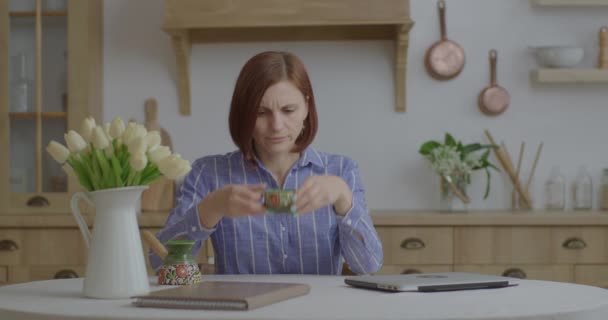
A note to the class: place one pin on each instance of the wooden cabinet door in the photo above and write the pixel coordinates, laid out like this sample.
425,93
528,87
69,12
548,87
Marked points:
50,80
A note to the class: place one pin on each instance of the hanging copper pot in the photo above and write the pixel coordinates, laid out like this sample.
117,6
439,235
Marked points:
493,99
445,59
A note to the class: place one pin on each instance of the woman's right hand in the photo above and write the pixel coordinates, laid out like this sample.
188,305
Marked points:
233,200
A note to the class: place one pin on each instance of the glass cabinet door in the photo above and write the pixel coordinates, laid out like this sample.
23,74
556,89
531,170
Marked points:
37,107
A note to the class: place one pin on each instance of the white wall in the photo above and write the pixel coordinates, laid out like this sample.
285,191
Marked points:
353,82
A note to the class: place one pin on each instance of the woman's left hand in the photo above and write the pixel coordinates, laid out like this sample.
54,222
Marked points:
319,191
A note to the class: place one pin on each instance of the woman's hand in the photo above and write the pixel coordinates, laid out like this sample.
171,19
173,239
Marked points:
233,200
319,191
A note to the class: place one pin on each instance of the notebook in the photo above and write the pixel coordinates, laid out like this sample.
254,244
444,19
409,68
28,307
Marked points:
430,282
222,295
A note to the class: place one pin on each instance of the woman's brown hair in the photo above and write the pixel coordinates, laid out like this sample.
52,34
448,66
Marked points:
260,72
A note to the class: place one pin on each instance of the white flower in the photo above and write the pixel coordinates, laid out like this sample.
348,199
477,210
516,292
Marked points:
132,132
137,146
174,167
99,138
117,128
138,161
88,124
158,154
152,139
74,141
58,151
68,170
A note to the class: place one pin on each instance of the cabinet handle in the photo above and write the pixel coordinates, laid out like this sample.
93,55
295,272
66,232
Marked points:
410,271
574,243
514,273
8,245
412,244
65,274
38,201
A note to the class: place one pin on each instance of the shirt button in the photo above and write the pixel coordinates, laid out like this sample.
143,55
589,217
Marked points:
193,228
349,222
283,228
284,256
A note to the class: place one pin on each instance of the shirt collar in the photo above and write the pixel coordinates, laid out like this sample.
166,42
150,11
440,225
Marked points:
309,156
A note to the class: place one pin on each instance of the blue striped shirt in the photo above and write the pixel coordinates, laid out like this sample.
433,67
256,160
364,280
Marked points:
310,243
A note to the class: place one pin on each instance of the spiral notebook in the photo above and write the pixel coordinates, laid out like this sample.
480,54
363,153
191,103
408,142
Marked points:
222,295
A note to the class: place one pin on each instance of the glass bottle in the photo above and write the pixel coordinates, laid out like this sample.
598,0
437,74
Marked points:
21,88
582,190
555,191
604,188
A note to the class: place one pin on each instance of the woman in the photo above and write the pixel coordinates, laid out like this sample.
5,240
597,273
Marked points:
273,120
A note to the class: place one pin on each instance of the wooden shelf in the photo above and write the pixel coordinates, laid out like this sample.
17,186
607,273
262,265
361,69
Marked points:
33,13
570,3
44,115
203,21
573,76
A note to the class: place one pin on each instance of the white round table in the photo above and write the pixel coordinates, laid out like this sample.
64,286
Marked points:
329,298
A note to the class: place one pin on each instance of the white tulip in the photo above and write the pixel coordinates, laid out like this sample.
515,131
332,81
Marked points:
68,169
99,138
159,153
106,129
126,135
74,141
174,167
138,161
116,128
58,151
109,150
137,146
153,140
88,124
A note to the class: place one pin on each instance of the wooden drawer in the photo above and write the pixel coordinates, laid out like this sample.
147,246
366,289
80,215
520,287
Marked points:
407,269
62,246
44,272
562,273
503,245
417,245
11,247
594,275
3,275
580,245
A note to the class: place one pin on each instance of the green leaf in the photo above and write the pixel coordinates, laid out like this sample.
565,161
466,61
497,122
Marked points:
487,184
471,148
81,173
117,171
427,147
107,174
449,140
150,178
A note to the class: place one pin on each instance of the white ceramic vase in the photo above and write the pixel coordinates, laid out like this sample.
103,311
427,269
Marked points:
116,268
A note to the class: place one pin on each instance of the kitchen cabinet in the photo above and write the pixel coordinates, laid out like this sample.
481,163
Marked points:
50,80
41,247
568,247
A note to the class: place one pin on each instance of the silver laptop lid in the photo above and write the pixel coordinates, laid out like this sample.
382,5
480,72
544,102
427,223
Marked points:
441,281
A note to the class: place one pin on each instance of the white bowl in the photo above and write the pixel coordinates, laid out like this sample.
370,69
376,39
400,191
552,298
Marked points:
558,56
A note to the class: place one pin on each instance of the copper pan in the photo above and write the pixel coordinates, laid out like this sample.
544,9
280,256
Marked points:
445,59
493,99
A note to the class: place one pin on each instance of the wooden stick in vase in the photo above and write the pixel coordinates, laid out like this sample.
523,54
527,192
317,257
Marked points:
538,151
454,189
506,164
154,244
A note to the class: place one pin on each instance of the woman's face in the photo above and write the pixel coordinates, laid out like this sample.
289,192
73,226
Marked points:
280,119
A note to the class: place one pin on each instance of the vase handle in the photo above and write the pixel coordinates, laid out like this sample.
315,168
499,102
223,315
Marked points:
82,224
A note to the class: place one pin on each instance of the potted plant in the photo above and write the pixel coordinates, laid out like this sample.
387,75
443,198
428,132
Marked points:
454,162
114,164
